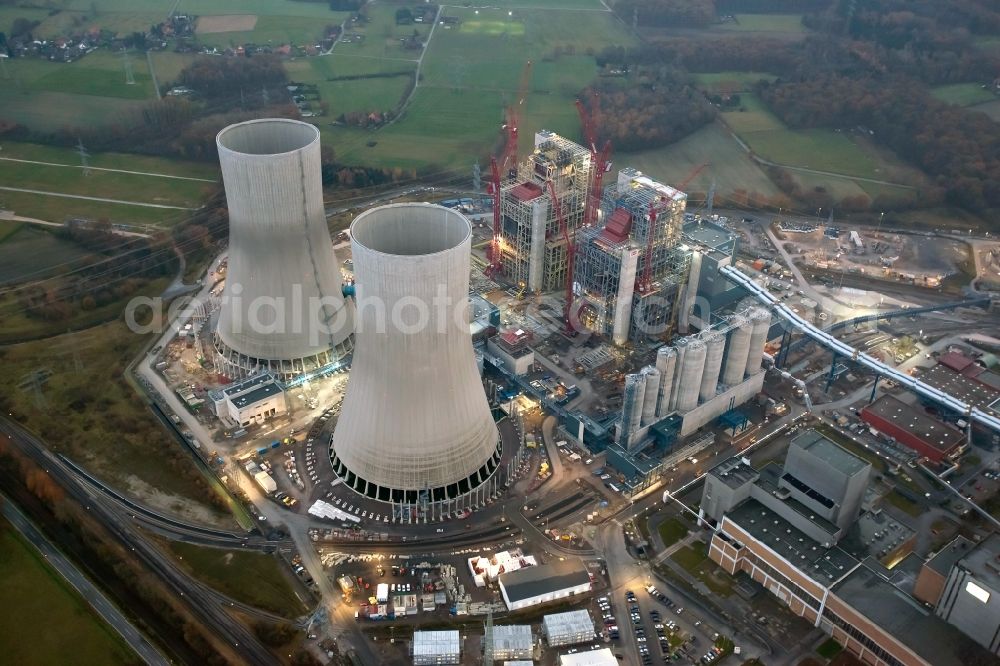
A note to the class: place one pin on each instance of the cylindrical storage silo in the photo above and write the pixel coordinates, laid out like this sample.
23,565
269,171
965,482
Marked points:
415,416
680,346
651,394
283,308
761,321
666,359
736,354
632,400
715,346
689,385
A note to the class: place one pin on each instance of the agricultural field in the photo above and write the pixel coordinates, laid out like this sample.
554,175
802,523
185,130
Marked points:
250,577
372,94
765,23
52,619
193,183
752,116
168,66
729,165
202,7
963,94
273,30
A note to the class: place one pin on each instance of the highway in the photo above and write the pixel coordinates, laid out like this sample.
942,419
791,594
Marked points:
241,643
97,600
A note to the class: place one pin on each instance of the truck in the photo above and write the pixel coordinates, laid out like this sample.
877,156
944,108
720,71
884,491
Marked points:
265,481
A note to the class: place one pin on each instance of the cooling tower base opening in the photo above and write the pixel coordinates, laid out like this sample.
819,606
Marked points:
456,500
238,366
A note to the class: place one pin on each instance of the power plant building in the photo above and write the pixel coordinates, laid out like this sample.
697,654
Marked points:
709,293
283,310
532,246
253,400
415,428
611,260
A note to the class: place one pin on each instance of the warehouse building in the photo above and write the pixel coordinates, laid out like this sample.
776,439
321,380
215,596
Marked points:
544,583
911,427
601,657
253,400
568,628
436,647
512,641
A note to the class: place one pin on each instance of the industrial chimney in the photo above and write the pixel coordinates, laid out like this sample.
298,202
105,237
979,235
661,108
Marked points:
415,426
282,307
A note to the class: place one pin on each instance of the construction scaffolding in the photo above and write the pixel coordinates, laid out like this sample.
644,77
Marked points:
532,249
631,268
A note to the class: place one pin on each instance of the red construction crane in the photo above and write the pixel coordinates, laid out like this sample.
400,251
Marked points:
570,258
496,263
645,282
509,159
599,162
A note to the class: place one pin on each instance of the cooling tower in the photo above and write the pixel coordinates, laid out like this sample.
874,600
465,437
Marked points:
666,359
689,381
651,394
761,320
415,422
715,344
736,355
282,307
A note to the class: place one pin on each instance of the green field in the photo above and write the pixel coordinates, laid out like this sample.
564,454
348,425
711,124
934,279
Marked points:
694,560
105,184
376,94
752,116
47,619
250,577
783,23
202,7
730,166
963,94
730,81
274,30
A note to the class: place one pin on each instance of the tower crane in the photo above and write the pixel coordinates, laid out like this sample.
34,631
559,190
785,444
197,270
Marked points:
570,257
600,161
509,157
495,262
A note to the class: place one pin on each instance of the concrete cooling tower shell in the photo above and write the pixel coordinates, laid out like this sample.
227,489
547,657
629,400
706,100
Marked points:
283,309
415,417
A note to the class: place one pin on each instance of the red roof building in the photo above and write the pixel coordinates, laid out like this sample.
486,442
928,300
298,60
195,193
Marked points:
911,427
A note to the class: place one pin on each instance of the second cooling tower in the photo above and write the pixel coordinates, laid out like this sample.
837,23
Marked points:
283,309
415,422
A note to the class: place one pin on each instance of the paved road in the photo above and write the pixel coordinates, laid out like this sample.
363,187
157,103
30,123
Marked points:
6,215
82,584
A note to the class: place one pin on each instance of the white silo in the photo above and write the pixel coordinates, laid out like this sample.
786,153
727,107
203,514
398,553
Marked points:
689,385
715,345
761,321
666,359
651,394
632,400
680,346
415,425
282,308
736,354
